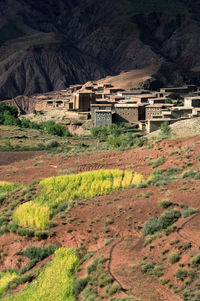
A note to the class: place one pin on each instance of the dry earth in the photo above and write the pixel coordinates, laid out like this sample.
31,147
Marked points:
128,210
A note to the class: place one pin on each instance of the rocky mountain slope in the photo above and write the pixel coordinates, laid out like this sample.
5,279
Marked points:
49,45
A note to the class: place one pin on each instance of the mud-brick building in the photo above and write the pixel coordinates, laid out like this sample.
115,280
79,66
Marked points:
82,101
192,102
47,105
99,106
157,100
155,110
132,113
102,117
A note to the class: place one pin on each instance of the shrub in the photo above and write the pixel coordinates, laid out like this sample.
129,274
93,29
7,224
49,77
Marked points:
89,294
38,253
151,269
196,260
162,222
79,285
181,274
41,235
158,162
187,212
52,144
165,204
165,130
113,289
173,257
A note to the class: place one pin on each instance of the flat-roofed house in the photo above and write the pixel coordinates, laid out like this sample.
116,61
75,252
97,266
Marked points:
99,106
102,117
82,100
132,113
192,102
155,110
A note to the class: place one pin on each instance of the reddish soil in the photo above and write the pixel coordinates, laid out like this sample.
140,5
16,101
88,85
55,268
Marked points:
118,216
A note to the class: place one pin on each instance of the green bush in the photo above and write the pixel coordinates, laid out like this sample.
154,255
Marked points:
41,235
115,288
187,212
165,130
165,204
181,274
157,162
196,260
162,222
79,285
173,257
38,253
151,269
52,144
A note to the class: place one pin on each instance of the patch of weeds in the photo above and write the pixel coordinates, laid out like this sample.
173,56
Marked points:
108,241
113,289
173,257
174,241
41,235
187,212
166,204
196,260
36,254
187,246
157,162
164,281
147,194
162,222
151,269
79,285
181,274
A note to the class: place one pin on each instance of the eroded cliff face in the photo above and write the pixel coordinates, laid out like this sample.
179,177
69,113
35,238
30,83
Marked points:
48,45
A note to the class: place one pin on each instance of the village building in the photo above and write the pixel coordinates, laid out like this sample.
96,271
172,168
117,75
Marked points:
99,106
193,102
179,90
160,100
130,113
155,110
82,101
143,98
102,117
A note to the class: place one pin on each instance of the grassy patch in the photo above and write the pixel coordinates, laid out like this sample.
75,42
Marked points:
157,162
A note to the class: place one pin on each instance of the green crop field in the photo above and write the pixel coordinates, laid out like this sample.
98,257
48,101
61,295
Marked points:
55,282
56,190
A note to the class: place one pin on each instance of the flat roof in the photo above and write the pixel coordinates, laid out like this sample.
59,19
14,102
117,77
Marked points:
144,95
101,105
192,97
126,105
160,105
103,111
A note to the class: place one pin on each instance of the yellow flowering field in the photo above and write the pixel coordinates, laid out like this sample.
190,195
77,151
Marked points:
55,190
55,282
